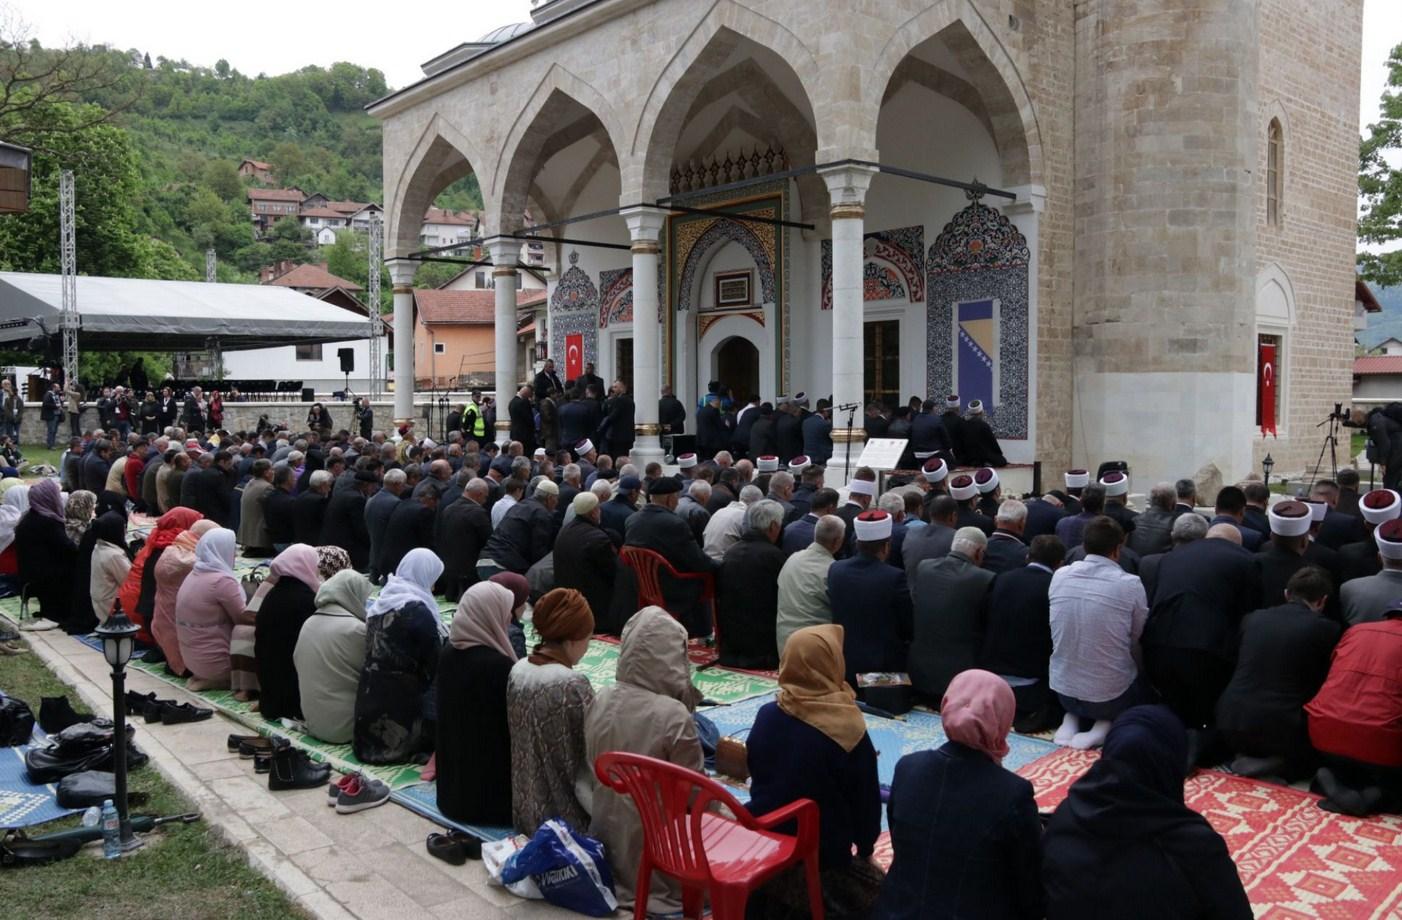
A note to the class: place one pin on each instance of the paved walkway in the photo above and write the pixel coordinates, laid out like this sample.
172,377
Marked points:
369,865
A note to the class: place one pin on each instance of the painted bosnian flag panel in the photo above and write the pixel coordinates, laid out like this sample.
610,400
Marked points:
976,351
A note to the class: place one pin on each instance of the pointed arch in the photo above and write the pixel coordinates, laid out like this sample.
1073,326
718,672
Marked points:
442,156
552,107
991,70
691,68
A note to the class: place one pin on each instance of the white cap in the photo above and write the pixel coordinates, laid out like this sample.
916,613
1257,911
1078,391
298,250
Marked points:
429,444
801,399
1289,519
976,407
962,487
1077,479
767,464
583,447
935,470
539,452
1317,509
1389,539
861,487
799,464
986,479
1379,506
952,401
873,525
686,461
1115,483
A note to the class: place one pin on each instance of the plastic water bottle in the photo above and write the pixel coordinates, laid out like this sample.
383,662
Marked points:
111,831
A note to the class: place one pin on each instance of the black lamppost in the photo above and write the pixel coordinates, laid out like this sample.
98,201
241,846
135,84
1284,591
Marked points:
1266,466
118,636
443,418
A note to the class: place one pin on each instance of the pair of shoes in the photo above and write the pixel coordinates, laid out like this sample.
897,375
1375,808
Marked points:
454,847
235,740
290,768
360,793
136,702
257,746
333,791
172,713
56,714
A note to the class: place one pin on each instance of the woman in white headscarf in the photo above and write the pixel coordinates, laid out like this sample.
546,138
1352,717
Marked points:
208,605
12,508
393,705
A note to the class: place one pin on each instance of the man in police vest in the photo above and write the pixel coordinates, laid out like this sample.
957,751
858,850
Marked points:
474,422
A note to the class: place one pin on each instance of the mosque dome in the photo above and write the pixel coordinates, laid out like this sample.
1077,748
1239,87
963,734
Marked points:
505,33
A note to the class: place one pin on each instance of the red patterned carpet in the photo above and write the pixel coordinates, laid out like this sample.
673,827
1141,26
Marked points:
1296,860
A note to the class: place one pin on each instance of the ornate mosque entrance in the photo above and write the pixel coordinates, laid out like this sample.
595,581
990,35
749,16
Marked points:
737,365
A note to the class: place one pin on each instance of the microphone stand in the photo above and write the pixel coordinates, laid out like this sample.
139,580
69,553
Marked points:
851,417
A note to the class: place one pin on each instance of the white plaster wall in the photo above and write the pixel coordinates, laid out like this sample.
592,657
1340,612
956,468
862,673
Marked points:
325,375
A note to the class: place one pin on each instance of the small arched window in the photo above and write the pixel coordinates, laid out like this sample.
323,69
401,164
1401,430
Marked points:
1275,171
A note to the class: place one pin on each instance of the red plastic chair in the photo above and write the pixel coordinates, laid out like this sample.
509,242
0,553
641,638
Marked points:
650,566
704,850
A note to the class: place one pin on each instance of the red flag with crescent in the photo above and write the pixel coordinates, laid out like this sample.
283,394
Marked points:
1265,388
574,355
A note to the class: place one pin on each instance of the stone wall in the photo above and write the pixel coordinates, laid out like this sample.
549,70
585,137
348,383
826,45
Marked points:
1309,81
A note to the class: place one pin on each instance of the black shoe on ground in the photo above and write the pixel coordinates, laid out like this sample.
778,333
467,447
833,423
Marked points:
155,709
235,740
56,714
253,747
293,769
136,702
176,713
454,847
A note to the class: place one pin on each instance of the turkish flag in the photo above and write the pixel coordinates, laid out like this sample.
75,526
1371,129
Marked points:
1265,388
574,355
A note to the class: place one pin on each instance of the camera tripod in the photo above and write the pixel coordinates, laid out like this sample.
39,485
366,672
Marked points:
1330,445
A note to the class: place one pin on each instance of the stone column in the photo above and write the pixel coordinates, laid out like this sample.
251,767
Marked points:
645,227
401,273
506,253
847,188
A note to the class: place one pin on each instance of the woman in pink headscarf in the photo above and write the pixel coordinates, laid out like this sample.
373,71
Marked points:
171,568
965,830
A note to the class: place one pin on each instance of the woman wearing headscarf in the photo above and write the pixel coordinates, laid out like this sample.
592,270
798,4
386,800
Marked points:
208,606
1123,844
78,514
546,703
278,624
520,592
393,705
44,553
330,560
964,830
108,563
12,508
138,593
330,655
648,711
812,743
171,570
473,749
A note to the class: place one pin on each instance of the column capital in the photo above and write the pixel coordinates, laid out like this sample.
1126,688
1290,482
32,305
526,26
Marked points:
847,185
505,251
401,272
644,224
1031,199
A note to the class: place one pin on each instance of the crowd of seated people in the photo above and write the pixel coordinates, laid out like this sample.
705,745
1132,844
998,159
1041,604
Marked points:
1169,638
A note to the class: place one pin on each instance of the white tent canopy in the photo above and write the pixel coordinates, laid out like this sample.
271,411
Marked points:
133,314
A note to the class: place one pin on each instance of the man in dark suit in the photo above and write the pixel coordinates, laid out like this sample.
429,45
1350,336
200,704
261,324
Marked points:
1204,589
710,430
585,557
953,424
1337,529
1258,499
951,595
1187,492
410,527
576,419
614,513
1231,507
212,487
658,528
344,524
1184,531
671,414
377,513
1042,515
1017,638
459,533
1284,555
981,446
169,409
547,382
933,540
798,535
870,601
928,434
1005,550
522,417
309,511
764,442
747,591
1348,493
588,380
964,490
617,425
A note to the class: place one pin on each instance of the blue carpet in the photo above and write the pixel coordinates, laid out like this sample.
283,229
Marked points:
422,799
23,803
92,641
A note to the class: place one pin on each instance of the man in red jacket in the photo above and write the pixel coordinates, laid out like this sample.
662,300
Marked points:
1355,721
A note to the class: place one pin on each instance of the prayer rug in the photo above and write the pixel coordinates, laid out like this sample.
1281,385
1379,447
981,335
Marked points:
23,803
422,799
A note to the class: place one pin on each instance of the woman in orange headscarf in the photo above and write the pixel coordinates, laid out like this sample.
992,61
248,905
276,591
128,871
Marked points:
138,593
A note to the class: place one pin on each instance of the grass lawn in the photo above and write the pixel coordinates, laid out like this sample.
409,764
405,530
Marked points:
183,871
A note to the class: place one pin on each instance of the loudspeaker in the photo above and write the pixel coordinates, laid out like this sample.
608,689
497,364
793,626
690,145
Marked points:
308,394
347,356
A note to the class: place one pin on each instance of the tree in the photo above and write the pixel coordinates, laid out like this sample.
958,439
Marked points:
222,178
221,67
1380,183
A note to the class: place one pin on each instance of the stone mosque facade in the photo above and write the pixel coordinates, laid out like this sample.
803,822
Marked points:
1149,200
